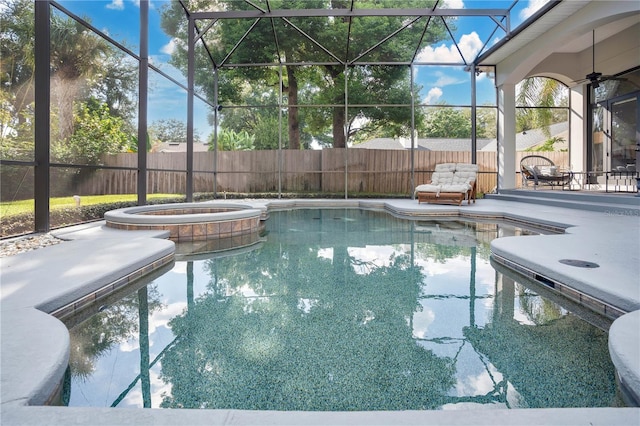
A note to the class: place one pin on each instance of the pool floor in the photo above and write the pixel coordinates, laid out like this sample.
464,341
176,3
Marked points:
342,310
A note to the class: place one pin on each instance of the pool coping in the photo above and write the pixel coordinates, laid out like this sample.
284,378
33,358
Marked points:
28,380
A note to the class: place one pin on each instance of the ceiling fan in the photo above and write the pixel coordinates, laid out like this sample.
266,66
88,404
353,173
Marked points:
595,78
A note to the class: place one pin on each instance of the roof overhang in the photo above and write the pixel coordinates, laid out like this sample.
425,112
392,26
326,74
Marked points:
565,28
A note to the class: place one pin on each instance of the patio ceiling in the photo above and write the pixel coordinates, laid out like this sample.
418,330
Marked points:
349,32
522,36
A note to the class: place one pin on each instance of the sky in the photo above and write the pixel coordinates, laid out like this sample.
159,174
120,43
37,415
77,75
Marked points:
450,85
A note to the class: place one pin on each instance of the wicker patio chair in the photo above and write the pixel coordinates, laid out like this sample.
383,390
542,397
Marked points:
540,170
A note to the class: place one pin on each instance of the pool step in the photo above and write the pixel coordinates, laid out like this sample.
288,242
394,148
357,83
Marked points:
612,203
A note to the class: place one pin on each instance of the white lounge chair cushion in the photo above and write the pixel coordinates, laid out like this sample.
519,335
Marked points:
455,188
442,178
464,178
466,167
446,167
427,187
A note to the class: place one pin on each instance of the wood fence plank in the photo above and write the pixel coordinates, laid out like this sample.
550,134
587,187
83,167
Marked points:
370,171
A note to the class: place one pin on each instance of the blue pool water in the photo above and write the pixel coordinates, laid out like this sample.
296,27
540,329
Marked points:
342,310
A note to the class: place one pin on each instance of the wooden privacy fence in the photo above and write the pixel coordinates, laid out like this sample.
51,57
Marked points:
368,171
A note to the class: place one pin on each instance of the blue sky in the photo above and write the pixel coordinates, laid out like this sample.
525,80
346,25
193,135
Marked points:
451,85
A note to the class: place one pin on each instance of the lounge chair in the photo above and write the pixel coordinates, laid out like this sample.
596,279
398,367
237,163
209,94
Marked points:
540,170
451,183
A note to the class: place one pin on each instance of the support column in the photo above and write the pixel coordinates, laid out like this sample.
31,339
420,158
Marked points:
143,78
505,299
217,108
506,136
42,134
577,136
474,112
413,135
280,106
190,93
346,132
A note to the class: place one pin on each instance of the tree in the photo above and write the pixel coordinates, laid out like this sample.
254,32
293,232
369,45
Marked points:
544,94
116,84
95,132
83,65
260,122
16,130
16,50
485,122
229,140
116,324
171,130
450,122
446,122
76,59
548,145
322,84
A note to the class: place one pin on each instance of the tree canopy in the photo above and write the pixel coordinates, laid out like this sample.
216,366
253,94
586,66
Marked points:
310,84
85,70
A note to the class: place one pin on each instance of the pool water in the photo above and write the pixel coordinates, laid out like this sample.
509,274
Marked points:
342,310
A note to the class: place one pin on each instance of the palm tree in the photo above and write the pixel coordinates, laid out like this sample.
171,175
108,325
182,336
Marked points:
76,57
537,98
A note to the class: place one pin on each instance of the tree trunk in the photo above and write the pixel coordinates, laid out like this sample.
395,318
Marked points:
339,140
339,118
293,121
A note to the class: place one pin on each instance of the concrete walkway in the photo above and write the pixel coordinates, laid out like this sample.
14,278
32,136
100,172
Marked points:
35,345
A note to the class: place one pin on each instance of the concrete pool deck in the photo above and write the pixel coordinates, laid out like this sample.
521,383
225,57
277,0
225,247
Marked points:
34,345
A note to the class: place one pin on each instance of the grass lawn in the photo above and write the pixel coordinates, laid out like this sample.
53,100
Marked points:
25,206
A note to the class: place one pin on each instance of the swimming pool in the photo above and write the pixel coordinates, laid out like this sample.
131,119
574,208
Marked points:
342,310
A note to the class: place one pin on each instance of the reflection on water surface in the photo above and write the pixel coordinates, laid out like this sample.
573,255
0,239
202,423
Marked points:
342,310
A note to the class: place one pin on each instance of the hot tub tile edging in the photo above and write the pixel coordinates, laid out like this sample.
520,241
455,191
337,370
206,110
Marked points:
217,221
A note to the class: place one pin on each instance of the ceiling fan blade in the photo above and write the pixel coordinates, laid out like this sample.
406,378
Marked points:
593,76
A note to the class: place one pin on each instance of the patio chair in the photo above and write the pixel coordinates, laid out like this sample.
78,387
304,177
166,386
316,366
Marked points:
540,170
451,183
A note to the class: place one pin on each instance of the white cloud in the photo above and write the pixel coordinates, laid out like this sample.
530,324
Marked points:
119,4
170,47
379,256
180,268
116,5
158,389
480,384
452,4
469,44
326,253
433,96
446,79
421,322
534,6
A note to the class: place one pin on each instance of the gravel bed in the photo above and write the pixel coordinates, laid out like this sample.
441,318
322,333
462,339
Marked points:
17,245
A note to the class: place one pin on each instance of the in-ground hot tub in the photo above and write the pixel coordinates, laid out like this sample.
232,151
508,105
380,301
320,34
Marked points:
189,221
